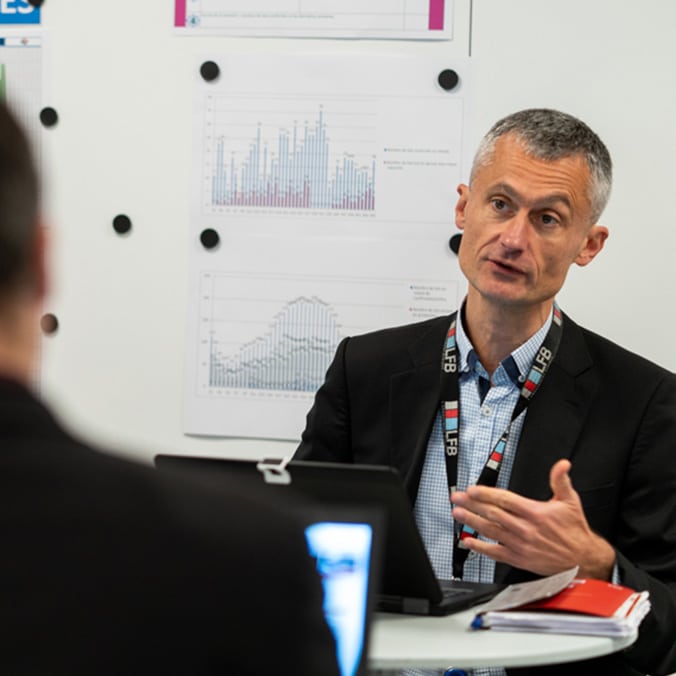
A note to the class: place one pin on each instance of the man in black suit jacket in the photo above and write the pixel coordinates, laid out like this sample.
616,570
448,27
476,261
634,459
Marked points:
593,481
107,567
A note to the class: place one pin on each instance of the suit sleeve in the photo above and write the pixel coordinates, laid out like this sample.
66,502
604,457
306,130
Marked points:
646,542
328,431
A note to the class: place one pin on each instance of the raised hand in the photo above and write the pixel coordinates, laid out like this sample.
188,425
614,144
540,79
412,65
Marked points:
542,537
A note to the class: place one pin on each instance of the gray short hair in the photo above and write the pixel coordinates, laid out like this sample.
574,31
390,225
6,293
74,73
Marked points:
552,135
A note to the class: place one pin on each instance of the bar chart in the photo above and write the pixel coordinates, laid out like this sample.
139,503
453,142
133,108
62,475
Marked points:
275,153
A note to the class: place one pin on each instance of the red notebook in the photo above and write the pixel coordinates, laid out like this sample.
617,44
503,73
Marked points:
592,597
568,605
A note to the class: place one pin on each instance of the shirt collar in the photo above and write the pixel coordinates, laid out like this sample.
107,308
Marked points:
517,364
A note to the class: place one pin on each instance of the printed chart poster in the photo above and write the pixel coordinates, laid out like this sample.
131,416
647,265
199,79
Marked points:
21,81
393,19
18,13
319,212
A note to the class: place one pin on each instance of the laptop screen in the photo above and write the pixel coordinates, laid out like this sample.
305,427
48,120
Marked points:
343,553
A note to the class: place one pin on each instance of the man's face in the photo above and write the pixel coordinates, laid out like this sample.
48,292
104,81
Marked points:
525,221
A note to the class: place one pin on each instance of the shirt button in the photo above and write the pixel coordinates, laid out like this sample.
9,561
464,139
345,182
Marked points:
486,410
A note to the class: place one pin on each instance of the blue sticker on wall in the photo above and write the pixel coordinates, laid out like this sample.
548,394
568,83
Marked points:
18,12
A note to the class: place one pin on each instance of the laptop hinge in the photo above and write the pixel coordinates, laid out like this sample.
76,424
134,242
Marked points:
274,470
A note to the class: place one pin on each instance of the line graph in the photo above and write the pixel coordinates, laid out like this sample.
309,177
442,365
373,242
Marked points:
281,153
277,333
292,355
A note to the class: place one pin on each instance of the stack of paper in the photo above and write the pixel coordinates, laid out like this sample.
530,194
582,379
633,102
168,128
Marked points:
564,604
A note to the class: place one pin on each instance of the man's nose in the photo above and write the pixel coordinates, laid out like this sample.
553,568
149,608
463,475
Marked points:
515,232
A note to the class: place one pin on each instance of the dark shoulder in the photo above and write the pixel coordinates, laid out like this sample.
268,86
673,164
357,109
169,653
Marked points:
425,337
159,504
405,332
610,357
105,490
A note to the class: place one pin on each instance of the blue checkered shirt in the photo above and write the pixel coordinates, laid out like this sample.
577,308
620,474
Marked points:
481,425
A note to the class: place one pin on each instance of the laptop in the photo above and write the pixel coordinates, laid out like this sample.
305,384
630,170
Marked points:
408,583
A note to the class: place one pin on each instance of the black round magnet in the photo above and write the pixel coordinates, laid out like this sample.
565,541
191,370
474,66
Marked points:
36,3
454,243
49,324
448,79
49,117
121,224
210,71
209,238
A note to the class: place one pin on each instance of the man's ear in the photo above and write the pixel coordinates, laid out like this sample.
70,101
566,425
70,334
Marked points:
461,205
594,241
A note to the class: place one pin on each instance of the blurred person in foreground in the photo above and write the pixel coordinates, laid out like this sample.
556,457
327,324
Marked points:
108,567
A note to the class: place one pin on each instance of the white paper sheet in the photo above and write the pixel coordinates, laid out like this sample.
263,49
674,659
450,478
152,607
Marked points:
393,19
21,79
334,205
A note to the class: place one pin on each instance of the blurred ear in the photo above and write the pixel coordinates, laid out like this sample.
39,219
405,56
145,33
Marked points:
593,243
461,205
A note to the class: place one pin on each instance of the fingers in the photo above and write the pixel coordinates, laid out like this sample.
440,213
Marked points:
495,513
541,536
559,481
495,551
478,497
484,499
491,529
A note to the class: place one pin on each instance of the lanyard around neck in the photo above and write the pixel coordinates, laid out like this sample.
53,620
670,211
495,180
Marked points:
450,412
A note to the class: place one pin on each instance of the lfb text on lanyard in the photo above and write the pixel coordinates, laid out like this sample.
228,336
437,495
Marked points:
450,412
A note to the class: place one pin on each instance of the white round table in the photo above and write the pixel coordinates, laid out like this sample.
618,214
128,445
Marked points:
398,641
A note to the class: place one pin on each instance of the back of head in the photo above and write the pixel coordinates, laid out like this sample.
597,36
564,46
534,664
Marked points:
551,135
19,195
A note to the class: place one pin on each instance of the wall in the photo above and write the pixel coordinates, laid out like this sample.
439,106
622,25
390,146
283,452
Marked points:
122,84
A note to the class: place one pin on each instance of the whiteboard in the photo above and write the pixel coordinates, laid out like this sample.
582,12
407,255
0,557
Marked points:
121,81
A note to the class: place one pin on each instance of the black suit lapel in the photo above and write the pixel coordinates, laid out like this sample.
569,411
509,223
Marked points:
414,400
